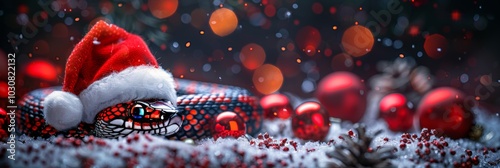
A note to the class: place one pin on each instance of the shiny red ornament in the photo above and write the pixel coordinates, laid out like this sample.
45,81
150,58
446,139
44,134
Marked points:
394,110
228,124
444,109
310,122
343,95
276,106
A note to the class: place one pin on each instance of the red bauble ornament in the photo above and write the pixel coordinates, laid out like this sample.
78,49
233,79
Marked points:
444,109
310,122
228,124
343,96
394,110
276,106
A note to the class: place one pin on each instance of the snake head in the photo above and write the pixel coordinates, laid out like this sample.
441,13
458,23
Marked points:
157,117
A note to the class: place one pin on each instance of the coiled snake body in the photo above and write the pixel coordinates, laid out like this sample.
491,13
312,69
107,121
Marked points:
197,104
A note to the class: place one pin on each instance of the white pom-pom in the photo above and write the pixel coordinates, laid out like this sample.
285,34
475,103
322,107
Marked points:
62,110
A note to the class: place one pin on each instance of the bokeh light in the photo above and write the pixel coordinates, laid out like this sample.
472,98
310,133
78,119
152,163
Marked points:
41,47
418,3
317,8
60,31
357,41
485,80
480,22
41,70
328,52
308,39
105,6
342,62
163,8
4,89
455,15
186,18
413,30
3,67
333,10
252,56
223,22
270,10
287,63
435,45
199,18
267,79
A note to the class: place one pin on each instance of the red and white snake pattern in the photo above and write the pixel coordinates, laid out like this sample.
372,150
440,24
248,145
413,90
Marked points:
197,103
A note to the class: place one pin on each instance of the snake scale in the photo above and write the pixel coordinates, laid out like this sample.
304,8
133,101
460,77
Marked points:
197,103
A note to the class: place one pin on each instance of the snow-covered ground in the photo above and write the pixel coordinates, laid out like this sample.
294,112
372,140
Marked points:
276,148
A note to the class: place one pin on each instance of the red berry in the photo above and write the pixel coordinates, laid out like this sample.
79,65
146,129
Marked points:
475,160
266,135
402,146
427,151
350,133
469,152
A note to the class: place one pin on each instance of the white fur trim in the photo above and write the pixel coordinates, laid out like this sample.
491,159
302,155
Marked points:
133,83
62,110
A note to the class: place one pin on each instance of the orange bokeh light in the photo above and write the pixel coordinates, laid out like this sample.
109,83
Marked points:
267,79
163,8
435,45
252,56
223,22
357,41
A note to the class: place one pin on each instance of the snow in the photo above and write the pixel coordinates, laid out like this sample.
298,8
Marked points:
269,150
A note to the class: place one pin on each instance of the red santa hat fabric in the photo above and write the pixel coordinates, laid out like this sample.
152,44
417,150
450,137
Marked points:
108,66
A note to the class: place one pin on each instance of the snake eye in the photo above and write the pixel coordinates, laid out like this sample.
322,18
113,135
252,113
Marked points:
138,111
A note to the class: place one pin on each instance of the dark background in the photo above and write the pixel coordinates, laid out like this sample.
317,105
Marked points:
473,39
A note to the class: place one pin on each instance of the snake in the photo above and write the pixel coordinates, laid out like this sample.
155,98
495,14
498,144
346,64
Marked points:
198,103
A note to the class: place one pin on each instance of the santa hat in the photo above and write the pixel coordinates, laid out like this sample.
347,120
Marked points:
108,66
